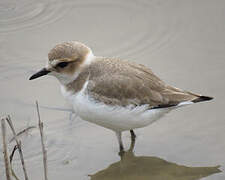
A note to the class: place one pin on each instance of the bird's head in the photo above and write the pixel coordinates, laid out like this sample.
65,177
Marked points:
65,61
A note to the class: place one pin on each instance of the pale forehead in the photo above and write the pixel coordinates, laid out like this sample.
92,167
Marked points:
65,50
53,62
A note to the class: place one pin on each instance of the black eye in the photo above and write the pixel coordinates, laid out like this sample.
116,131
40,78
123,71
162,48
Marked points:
63,64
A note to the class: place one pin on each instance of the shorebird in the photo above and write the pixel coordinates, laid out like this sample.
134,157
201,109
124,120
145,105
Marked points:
116,94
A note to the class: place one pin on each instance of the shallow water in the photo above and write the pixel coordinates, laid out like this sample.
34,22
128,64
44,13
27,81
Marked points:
182,41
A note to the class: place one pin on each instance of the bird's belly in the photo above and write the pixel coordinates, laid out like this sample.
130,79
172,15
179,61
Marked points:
116,118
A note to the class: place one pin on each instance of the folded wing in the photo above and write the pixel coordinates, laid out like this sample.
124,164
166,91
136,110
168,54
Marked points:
123,83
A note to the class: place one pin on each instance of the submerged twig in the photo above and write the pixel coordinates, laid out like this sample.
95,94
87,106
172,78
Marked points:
5,152
12,153
40,124
14,175
19,147
11,158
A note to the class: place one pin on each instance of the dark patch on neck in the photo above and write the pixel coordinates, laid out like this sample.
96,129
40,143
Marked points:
77,84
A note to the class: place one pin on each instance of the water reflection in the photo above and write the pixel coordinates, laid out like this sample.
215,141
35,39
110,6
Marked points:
132,167
146,167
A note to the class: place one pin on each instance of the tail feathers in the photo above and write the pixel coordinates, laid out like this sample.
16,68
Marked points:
202,98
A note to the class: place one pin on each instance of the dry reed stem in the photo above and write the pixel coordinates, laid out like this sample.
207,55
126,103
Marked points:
5,152
18,145
40,124
26,130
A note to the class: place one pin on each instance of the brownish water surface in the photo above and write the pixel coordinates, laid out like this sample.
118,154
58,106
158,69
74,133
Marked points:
182,41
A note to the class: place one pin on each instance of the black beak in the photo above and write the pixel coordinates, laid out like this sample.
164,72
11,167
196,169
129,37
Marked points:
40,73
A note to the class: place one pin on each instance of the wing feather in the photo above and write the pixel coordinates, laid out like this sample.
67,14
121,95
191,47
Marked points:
124,83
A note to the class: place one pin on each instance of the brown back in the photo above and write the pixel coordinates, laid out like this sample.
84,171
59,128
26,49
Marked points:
118,82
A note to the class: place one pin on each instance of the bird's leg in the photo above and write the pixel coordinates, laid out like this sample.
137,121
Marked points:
133,137
71,116
119,137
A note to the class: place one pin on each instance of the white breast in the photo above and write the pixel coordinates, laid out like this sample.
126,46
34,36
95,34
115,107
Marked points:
116,118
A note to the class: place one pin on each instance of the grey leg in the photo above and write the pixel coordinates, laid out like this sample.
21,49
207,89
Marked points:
119,137
133,136
71,116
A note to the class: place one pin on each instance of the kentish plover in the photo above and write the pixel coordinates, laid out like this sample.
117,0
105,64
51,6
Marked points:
116,94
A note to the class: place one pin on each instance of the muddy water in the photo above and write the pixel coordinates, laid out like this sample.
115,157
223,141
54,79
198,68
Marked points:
182,41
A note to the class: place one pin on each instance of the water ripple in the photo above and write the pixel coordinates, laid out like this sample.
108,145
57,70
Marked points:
141,25
25,14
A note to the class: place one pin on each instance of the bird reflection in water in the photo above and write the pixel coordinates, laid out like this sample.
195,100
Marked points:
132,167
